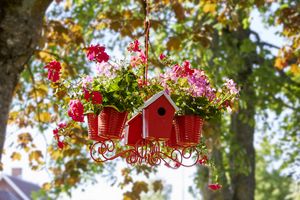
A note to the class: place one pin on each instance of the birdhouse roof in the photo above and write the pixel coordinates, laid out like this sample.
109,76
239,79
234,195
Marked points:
158,95
133,117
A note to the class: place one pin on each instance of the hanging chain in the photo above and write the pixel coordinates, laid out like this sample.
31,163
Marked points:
147,29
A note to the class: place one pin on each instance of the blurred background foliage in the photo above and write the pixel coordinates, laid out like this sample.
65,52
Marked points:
215,35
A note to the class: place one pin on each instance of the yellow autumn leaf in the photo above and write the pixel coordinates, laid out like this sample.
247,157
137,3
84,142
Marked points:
209,8
101,25
125,197
76,28
173,43
46,186
279,63
36,156
13,116
15,156
55,155
44,117
72,180
127,14
24,138
165,2
295,69
68,5
26,149
40,90
44,56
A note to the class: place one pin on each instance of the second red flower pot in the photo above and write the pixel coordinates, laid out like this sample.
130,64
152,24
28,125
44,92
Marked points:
93,127
111,123
188,130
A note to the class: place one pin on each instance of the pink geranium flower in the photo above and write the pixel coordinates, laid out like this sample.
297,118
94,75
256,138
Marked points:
60,144
62,125
162,56
203,160
214,186
134,46
55,132
231,85
97,53
86,94
86,81
143,57
96,97
54,68
76,110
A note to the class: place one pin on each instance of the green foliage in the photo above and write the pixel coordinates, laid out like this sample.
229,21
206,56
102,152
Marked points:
121,92
195,106
271,183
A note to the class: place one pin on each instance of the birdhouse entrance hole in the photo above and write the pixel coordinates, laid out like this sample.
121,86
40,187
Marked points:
161,111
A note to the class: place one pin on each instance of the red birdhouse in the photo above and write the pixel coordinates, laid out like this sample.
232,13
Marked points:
158,114
133,130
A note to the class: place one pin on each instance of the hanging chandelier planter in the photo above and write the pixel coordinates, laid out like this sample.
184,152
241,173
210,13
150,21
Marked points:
167,111
143,121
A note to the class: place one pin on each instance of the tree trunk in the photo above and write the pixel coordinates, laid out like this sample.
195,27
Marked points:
242,153
241,185
20,25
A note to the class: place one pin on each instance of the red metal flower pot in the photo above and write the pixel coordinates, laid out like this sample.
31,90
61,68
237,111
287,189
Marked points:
172,142
93,127
188,130
111,123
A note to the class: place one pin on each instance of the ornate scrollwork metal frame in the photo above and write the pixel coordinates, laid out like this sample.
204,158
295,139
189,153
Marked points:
147,152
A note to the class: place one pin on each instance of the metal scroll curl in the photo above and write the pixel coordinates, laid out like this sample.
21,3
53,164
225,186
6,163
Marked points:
146,152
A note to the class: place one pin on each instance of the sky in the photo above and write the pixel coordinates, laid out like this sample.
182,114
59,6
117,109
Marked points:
180,179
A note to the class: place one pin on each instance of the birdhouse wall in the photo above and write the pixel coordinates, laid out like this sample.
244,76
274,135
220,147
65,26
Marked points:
157,119
133,130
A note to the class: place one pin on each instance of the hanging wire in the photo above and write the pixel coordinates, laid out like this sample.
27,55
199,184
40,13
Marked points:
147,29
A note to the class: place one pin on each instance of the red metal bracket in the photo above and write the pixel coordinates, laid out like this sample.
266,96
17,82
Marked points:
148,152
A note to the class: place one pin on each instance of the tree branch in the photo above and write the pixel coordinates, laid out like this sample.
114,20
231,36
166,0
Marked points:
262,43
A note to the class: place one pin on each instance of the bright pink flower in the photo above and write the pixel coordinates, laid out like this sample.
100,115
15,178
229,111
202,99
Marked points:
87,81
167,91
143,57
54,68
96,97
140,82
203,160
55,132
76,110
60,144
134,61
134,46
210,93
187,68
214,186
231,85
105,69
97,53
177,70
86,94
62,125
162,56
